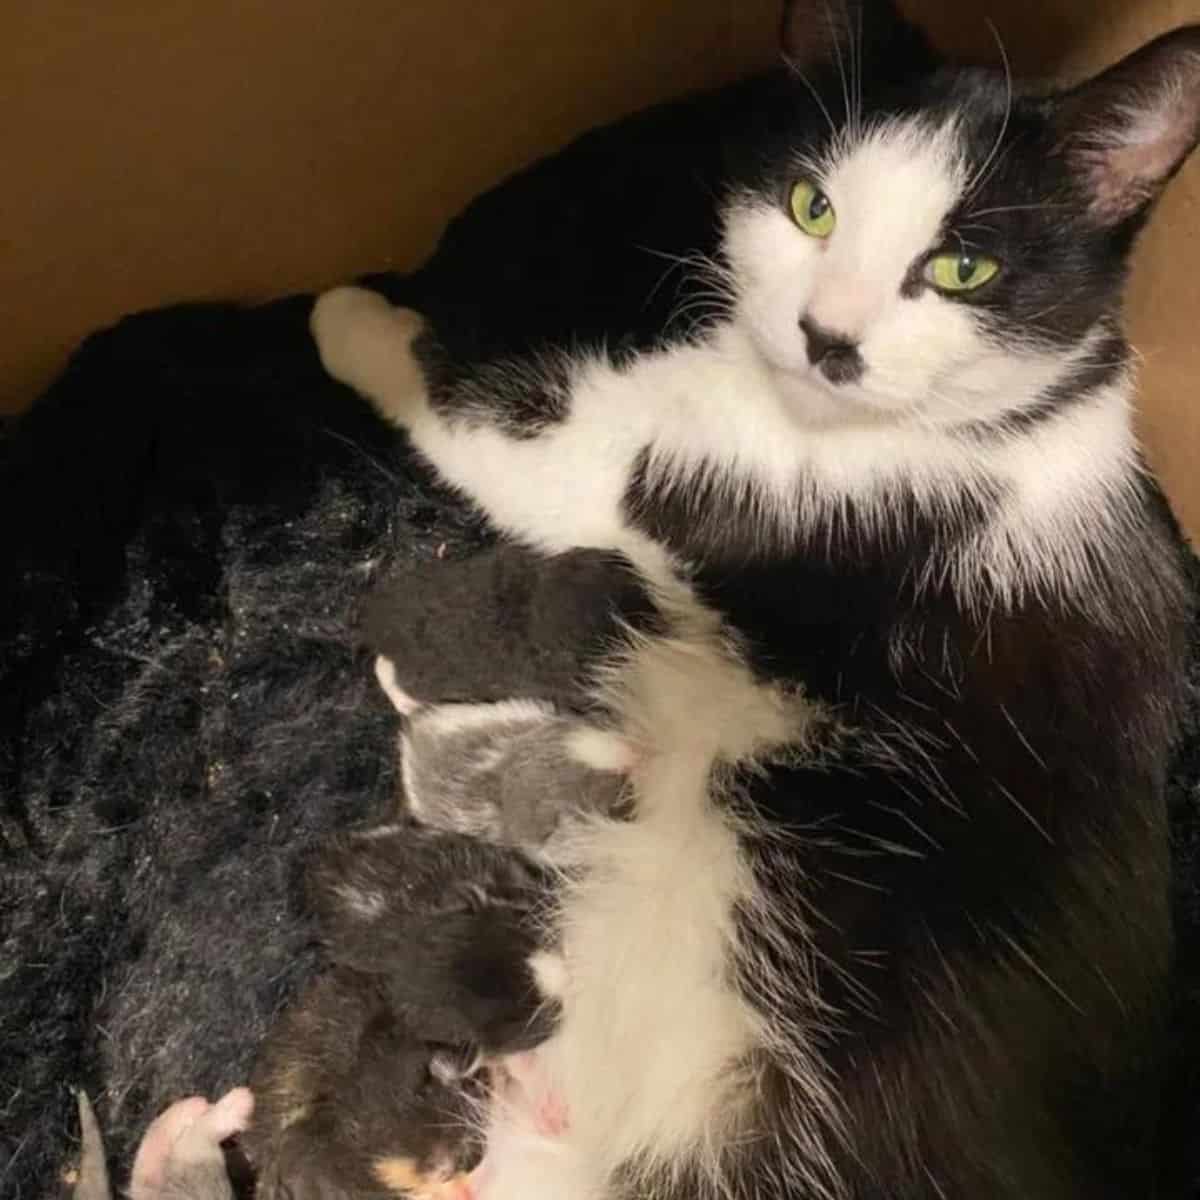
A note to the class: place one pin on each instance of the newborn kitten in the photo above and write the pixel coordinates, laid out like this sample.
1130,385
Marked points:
180,1156
380,1073
352,1103
447,925
512,772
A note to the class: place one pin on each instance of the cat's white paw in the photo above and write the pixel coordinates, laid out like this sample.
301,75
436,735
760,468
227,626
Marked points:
366,343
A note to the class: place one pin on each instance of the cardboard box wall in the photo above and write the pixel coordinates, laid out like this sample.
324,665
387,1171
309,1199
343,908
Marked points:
248,148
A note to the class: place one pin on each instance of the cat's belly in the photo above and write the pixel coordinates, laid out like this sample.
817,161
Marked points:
649,1060
644,1065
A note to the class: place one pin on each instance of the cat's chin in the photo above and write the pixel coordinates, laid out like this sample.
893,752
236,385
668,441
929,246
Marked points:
813,401
807,396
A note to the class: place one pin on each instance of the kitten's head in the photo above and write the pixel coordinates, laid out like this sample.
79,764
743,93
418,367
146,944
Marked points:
948,247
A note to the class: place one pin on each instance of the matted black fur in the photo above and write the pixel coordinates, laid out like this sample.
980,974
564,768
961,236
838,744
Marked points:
192,515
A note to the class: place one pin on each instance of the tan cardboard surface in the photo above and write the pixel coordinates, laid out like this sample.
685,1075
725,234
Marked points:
158,150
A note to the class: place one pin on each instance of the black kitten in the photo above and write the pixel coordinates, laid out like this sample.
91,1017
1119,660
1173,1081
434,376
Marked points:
447,926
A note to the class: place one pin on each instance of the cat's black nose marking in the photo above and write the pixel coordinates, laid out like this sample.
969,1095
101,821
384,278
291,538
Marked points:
836,356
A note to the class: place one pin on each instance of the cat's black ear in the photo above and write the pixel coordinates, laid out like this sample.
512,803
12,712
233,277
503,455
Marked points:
869,38
1127,131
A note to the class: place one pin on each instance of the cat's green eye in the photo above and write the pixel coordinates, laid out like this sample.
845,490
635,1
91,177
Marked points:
960,272
812,210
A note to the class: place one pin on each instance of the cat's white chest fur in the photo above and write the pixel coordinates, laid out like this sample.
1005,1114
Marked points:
649,1059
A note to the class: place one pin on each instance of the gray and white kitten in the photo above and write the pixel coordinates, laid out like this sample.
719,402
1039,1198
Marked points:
513,772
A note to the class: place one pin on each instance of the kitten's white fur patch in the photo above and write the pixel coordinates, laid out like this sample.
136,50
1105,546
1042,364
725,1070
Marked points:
385,674
550,973
599,749
448,719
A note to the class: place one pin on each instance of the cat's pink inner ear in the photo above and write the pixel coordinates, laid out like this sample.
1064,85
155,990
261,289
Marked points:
1131,128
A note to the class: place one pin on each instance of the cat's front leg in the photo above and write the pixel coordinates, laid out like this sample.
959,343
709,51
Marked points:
556,479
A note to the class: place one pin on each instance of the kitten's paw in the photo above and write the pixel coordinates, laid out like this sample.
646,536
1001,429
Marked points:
367,343
158,1145
187,1136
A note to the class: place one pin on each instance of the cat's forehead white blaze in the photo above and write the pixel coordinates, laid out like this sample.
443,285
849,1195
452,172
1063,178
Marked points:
891,190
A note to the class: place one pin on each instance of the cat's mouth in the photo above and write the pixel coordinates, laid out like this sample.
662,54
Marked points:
814,399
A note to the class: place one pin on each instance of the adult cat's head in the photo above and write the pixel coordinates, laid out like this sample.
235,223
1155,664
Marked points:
950,246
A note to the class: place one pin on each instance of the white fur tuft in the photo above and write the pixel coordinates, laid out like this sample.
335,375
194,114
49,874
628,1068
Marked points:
385,673
600,749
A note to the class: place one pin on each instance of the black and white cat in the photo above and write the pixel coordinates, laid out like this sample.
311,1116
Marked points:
890,916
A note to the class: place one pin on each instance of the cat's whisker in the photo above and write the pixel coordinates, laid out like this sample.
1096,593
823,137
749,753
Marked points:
707,299
857,68
792,66
1034,319
841,64
707,287
983,174
1045,206
698,315
976,225
662,279
393,477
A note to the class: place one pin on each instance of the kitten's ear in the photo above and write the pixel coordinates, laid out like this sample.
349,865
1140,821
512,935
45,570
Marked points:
1127,131
865,36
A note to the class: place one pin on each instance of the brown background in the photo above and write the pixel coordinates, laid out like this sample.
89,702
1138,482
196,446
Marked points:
243,148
